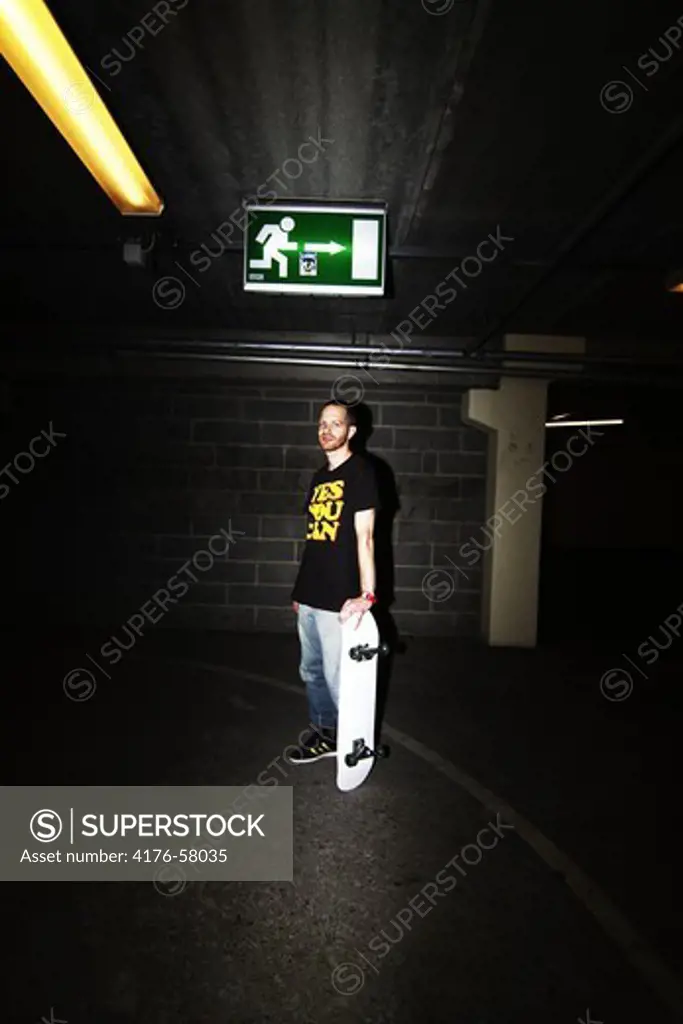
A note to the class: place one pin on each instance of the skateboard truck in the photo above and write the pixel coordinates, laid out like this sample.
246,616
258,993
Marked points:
363,652
361,751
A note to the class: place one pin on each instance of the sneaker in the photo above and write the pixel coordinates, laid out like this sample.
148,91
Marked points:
318,743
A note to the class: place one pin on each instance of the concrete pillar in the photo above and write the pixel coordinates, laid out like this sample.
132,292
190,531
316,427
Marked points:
509,545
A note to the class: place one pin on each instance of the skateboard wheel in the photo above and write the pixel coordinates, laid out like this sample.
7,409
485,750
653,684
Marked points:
351,760
382,750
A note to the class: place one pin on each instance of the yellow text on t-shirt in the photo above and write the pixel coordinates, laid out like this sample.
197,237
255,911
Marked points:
326,508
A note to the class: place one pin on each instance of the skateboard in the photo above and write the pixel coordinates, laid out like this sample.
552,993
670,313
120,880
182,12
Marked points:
356,750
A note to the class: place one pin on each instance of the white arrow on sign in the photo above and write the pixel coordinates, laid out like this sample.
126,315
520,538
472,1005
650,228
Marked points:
331,247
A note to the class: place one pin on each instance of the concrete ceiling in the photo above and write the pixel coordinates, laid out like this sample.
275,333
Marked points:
467,117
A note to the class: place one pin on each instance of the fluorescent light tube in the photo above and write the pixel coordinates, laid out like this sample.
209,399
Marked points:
34,46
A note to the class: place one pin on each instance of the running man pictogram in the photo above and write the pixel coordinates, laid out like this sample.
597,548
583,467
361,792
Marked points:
274,238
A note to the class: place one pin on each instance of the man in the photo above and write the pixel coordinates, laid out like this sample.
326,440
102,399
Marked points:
337,573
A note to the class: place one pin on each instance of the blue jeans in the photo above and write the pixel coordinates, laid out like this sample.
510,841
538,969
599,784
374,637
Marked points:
320,634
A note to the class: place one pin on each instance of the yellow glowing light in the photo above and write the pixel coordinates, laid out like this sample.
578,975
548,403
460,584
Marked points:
674,282
34,46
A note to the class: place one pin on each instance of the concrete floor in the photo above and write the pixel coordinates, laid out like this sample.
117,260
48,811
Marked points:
539,929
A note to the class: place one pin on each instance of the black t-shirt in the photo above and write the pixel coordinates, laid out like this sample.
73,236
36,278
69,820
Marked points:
329,572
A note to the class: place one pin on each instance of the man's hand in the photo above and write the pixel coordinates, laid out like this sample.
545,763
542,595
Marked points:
354,606
295,606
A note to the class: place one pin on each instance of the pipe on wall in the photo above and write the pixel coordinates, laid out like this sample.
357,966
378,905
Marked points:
469,367
476,363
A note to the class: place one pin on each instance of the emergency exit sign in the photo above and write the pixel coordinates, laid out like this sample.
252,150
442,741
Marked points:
315,250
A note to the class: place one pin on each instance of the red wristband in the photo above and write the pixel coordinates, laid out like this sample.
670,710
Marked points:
367,596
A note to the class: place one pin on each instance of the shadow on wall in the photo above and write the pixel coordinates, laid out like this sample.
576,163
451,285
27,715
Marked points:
384,556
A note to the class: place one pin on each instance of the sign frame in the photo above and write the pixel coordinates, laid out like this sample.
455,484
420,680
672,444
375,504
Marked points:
376,210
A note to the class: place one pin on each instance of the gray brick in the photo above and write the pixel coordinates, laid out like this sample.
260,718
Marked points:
168,520
382,437
216,617
473,486
458,564
154,429
181,547
214,386
429,486
225,431
206,593
262,551
435,624
263,596
139,404
409,576
156,476
419,508
429,462
408,415
124,597
288,480
293,527
223,479
453,397
274,572
463,463
282,412
272,503
174,454
288,434
303,482
155,486
412,554
427,440
411,532
451,415
156,576
459,511
469,530
446,533
209,407
299,392
413,440
411,600
220,505
401,396
469,560
277,620
473,440
400,462
135,545
250,456
304,458
174,552
463,602
155,571
233,572
206,525
161,512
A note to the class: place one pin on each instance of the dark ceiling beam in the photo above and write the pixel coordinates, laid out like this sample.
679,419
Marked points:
404,253
442,119
657,154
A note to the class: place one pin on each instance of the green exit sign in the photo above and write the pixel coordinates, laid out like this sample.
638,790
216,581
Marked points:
315,250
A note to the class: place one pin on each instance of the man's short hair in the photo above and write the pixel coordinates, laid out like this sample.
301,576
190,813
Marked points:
350,411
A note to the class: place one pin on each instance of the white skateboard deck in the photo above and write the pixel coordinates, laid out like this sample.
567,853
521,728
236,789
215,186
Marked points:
357,698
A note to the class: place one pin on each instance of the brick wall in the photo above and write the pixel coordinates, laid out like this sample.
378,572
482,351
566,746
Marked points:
151,468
